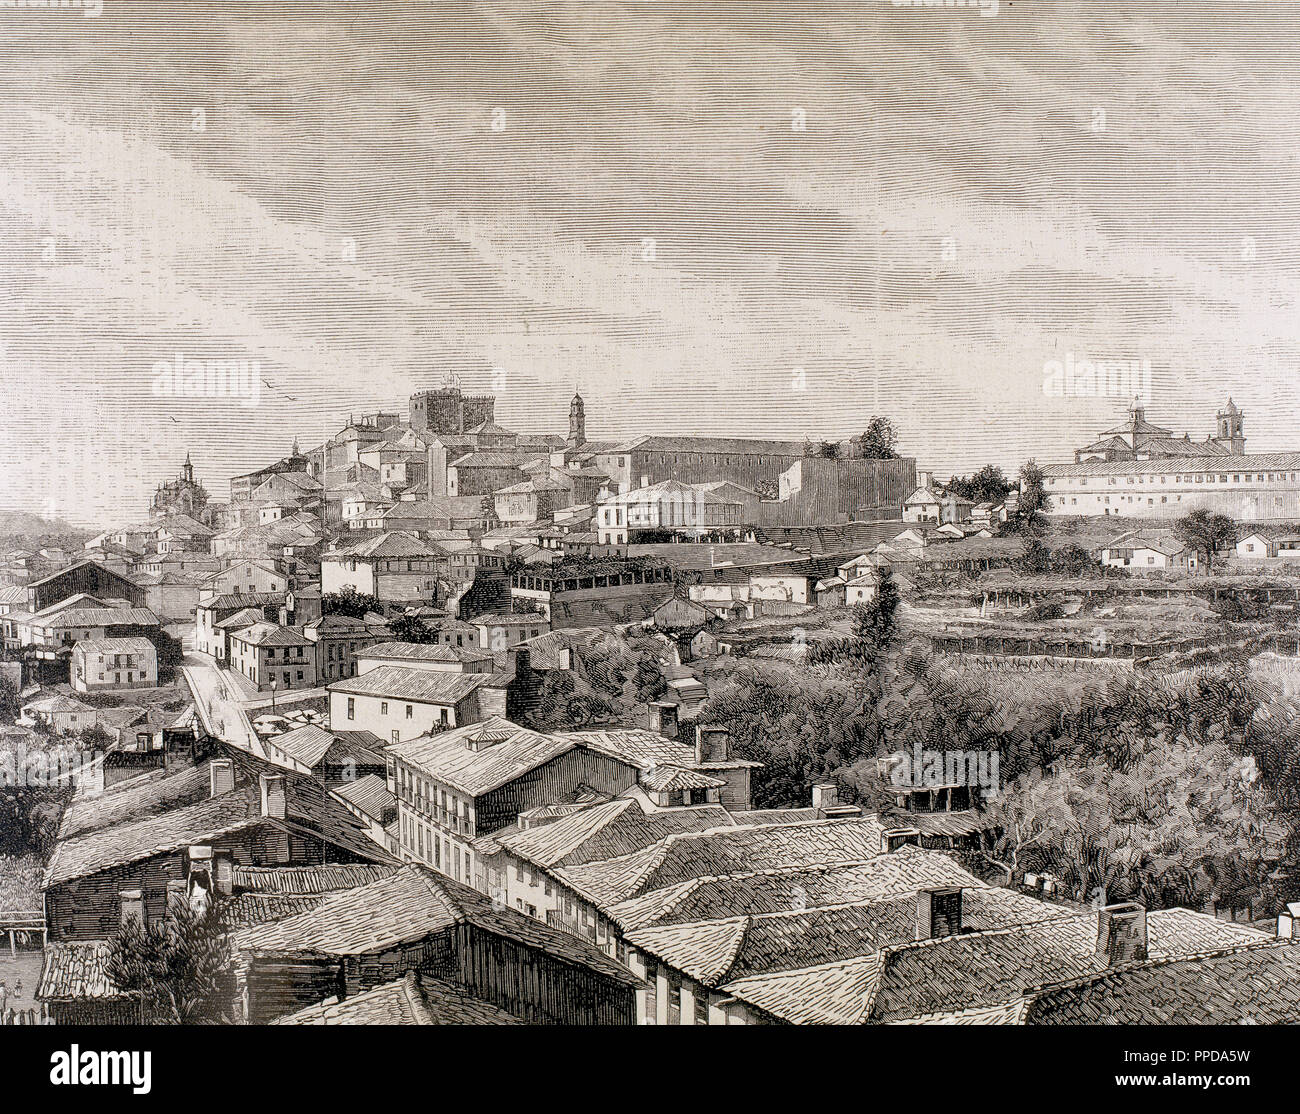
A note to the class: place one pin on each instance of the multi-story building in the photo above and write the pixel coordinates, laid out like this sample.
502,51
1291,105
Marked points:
338,641
446,410
107,664
272,656
577,592
1142,471
399,702
393,566
456,786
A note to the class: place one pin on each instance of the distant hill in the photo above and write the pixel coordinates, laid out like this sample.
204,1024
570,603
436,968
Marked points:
24,524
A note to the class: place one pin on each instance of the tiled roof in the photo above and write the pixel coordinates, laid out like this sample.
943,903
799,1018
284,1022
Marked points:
669,778
389,544
407,906
1250,462
317,879
415,684
413,1000
150,835
679,858
507,752
1252,985
421,651
370,794
100,617
606,831
307,744
241,619
138,798
134,645
77,969
984,969
269,634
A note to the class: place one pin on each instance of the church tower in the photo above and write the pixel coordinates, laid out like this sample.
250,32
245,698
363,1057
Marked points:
187,473
1230,434
577,422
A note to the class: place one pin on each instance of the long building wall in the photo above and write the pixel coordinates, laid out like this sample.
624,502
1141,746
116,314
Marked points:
1171,489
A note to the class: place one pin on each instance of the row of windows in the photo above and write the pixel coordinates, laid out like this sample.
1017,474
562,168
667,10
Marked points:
1191,477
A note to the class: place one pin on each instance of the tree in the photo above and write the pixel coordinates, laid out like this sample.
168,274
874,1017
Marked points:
1033,499
880,439
1206,533
179,968
411,628
649,680
9,699
874,621
988,485
350,602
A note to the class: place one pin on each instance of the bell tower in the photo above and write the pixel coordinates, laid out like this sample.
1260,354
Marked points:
1231,433
577,422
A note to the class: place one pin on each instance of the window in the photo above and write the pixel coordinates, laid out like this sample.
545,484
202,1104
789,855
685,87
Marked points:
410,712
352,708
383,707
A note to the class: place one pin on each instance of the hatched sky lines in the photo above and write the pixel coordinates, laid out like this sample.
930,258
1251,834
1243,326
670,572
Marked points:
682,205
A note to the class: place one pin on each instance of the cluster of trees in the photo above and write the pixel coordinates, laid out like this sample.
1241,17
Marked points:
1160,789
988,485
350,602
612,680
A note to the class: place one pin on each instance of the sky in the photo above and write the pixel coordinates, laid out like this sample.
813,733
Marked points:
769,220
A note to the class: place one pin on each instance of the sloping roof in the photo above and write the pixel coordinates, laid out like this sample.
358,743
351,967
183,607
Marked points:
138,798
421,651
415,999
100,617
988,968
1253,985
370,794
150,835
608,830
134,645
506,752
735,850
269,634
392,543
318,879
410,905
669,778
76,969
1249,462
415,684
246,617
307,744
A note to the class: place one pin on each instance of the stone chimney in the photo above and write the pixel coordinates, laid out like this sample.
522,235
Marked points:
566,657
1286,921
826,800
663,718
221,775
938,912
132,904
891,839
712,743
1121,933
273,796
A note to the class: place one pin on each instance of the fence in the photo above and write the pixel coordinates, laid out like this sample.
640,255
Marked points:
33,1015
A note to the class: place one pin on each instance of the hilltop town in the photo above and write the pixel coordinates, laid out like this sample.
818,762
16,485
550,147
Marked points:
440,722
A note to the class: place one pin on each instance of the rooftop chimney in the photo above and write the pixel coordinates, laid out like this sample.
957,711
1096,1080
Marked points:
938,912
893,838
221,774
712,743
826,800
663,718
1286,921
273,798
132,906
1121,933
